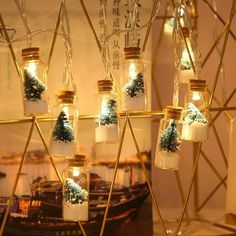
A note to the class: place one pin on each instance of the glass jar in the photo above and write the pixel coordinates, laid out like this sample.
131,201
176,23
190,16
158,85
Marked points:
76,190
186,71
107,127
195,115
64,133
35,100
168,141
133,82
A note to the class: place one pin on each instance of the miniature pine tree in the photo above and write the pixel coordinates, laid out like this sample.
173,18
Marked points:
185,64
63,131
136,86
33,89
73,192
194,115
111,116
169,138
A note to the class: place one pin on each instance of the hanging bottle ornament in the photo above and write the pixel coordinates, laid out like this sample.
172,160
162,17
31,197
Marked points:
107,128
195,115
64,133
35,100
186,71
168,141
133,81
76,190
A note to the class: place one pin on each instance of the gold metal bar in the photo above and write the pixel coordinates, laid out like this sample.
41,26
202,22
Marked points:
147,179
180,187
54,39
17,177
154,81
219,17
48,152
82,228
212,193
189,189
219,104
212,167
114,176
214,45
218,141
196,182
225,104
10,45
222,51
149,26
90,24
223,109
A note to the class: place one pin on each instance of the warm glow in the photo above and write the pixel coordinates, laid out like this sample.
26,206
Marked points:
66,110
196,96
132,70
76,172
32,68
104,110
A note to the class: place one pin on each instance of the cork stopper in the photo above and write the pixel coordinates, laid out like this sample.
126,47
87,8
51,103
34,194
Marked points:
66,96
132,53
197,85
77,161
105,85
186,32
30,53
173,112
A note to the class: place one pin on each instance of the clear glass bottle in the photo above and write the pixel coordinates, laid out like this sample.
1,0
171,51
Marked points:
64,133
133,81
34,87
186,71
195,115
168,141
107,125
76,190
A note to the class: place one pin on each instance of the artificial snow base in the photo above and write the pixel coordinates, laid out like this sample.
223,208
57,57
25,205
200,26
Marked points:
196,132
62,149
106,133
33,108
75,212
167,160
137,103
186,75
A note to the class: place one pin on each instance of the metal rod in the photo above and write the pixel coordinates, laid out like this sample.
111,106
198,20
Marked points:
48,152
90,24
225,104
212,193
212,167
219,17
189,189
196,182
213,46
218,140
17,177
180,187
54,39
10,45
114,176
82,228
147,179
222,51
149,26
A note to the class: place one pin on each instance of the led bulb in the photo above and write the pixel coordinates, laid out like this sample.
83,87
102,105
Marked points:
76,172
196,96
66,110
32,67
132,70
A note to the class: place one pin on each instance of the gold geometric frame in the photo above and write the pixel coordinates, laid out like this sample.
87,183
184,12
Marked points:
222,108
